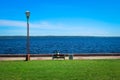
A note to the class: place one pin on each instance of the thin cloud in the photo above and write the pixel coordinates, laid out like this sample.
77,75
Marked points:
40,25
12,23
61,28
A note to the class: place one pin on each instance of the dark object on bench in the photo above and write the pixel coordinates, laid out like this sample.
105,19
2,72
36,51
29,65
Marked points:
58,56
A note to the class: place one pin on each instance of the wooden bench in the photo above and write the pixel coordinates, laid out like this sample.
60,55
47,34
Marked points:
57,56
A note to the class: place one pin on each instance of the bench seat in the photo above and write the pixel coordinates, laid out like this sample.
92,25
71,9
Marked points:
57,56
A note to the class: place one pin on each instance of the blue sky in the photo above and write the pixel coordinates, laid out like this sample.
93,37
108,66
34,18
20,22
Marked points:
61,17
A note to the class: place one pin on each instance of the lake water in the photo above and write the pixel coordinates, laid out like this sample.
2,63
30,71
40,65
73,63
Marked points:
49,44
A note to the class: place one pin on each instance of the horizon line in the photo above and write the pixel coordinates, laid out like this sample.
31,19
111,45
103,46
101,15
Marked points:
53,36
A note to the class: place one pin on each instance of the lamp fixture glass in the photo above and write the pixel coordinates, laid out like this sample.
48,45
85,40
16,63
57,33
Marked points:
27,13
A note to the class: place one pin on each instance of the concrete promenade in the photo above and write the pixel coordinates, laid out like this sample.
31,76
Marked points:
4,57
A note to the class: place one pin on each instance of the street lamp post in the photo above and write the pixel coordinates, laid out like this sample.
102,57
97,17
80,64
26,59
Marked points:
28,41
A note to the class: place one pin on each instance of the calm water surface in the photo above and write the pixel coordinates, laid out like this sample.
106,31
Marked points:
47,45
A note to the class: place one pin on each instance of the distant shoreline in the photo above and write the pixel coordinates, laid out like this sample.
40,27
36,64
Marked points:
61,36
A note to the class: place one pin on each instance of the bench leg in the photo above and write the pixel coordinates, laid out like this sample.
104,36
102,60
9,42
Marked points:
52,58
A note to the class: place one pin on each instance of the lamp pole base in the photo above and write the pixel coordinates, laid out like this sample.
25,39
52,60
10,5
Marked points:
28,57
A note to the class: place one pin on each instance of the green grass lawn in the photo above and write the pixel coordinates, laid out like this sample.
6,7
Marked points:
60,70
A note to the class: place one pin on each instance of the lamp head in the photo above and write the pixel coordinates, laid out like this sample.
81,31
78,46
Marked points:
27,14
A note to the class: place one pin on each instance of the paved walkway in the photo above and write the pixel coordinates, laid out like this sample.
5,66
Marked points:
66,58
